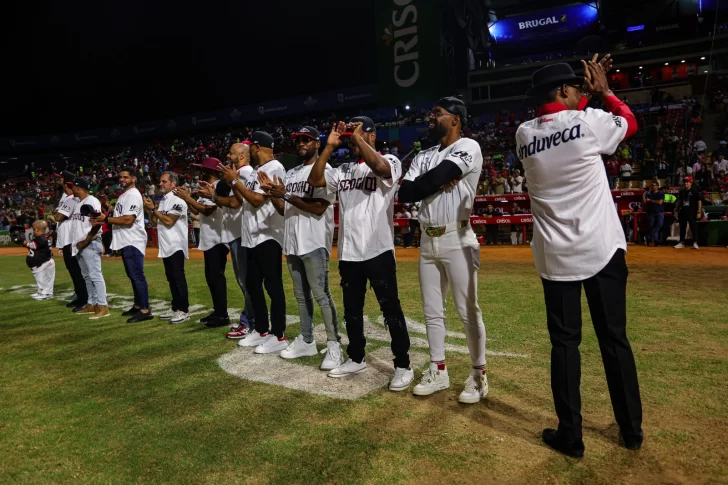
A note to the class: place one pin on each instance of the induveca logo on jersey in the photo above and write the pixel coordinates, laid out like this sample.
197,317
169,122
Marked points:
403,31
538,145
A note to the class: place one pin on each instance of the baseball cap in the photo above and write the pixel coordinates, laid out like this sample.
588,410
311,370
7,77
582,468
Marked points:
261,138
688,179
81,182
455,106
308,131
367,125
66,176
209,164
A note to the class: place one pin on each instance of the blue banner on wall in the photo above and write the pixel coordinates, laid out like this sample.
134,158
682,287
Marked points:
252,113
545,25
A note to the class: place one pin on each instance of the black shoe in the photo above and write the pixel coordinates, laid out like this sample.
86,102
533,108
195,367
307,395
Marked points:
140,317
633,442
208,318
217,322
573,448
74,304
130,312
79,308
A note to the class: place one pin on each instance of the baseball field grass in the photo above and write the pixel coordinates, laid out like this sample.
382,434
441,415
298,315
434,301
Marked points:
109,402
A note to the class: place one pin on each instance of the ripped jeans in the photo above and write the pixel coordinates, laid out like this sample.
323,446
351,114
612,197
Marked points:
381,272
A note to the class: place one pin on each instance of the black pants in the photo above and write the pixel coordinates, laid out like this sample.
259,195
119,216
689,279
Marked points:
106,242
688,217
265,268
491,231
174,269
215,260
79,285
381,272
606,295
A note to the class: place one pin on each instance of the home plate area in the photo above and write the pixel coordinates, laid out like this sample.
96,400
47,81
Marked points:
273,370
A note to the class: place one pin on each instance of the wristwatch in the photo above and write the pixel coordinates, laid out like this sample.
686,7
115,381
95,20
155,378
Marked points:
287,196
235,181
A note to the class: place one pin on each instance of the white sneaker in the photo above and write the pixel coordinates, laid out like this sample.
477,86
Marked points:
272,344
168,314
35,295
39,297
402,379
299,348
476,387
253,339
433,380
695,245
179,317
679,245
348,368
333,357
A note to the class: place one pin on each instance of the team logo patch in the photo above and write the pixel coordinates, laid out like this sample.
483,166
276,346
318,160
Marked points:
617,121
464,156
177,207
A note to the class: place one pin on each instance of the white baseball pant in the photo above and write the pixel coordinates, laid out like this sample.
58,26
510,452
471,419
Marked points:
452,261
45,277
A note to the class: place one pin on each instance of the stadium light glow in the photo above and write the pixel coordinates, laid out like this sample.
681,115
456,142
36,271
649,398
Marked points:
635,28
683,60
667,63
406,106
640,67
617,70
702,58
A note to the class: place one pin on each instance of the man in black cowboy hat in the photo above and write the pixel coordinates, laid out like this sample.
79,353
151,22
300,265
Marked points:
578,241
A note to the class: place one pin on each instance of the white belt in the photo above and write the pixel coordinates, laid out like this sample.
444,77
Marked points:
437,231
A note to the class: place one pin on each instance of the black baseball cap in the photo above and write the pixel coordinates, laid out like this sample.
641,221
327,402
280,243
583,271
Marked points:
261,138
81,182
367,125
66,176
455,106
308,131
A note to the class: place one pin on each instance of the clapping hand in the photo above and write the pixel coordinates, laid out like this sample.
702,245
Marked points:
595,79
206,190
182,193
228,173
273,188
148,204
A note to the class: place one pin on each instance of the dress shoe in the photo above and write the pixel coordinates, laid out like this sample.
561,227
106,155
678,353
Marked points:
573,448
215,322
141,317
632,442
130,312
208,318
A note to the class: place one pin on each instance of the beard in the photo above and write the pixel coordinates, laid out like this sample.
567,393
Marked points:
306,157
437,131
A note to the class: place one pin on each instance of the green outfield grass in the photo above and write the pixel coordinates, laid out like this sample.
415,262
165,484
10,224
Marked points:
109,402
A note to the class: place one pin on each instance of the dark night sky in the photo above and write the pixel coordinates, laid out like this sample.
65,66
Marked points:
77,65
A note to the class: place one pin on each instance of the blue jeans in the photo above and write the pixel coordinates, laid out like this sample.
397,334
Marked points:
310,275
89,260
134,265
239,259
655,221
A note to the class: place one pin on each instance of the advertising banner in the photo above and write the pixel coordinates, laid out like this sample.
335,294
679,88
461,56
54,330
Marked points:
5,239
547,26
409,61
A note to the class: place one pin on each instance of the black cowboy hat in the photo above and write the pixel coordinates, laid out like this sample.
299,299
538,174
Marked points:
552,76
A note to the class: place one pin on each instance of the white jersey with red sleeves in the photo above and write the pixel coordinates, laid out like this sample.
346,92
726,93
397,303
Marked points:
175,238
454,204
63,229
303,231
366,208
130,203
82,225
263,222
576,226
210,226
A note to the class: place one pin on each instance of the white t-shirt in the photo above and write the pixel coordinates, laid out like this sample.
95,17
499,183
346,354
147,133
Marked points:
517,185
81,225
130,203
303,231
454,204
625,170
366,206
210,226
63,229
264,222
172,239
576,226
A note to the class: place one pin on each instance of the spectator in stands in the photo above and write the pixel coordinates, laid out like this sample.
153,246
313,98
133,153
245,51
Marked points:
612,168
516,182
516,233
661,166
625,171
492,229
653,202
498,184
719,164
688,207
647,169
721,150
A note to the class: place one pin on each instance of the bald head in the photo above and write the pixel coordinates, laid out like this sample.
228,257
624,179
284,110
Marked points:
239,154
40,225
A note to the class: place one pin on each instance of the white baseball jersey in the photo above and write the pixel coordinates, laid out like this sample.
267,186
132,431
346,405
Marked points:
130,203
264,222
366,207
81,225
576,226
172,239
63,229
454,204
210,226
303,231
232,225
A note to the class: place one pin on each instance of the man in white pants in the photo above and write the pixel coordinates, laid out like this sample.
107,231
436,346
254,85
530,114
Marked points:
86,247
445,178
170,217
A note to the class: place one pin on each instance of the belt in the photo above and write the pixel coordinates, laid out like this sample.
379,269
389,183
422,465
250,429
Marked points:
437,231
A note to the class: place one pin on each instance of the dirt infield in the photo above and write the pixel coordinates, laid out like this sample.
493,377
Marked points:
706,256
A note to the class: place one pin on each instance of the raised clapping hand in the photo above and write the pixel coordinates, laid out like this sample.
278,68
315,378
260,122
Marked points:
595,79
182,193
228,173
337,129
274,189
148,204
206,190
